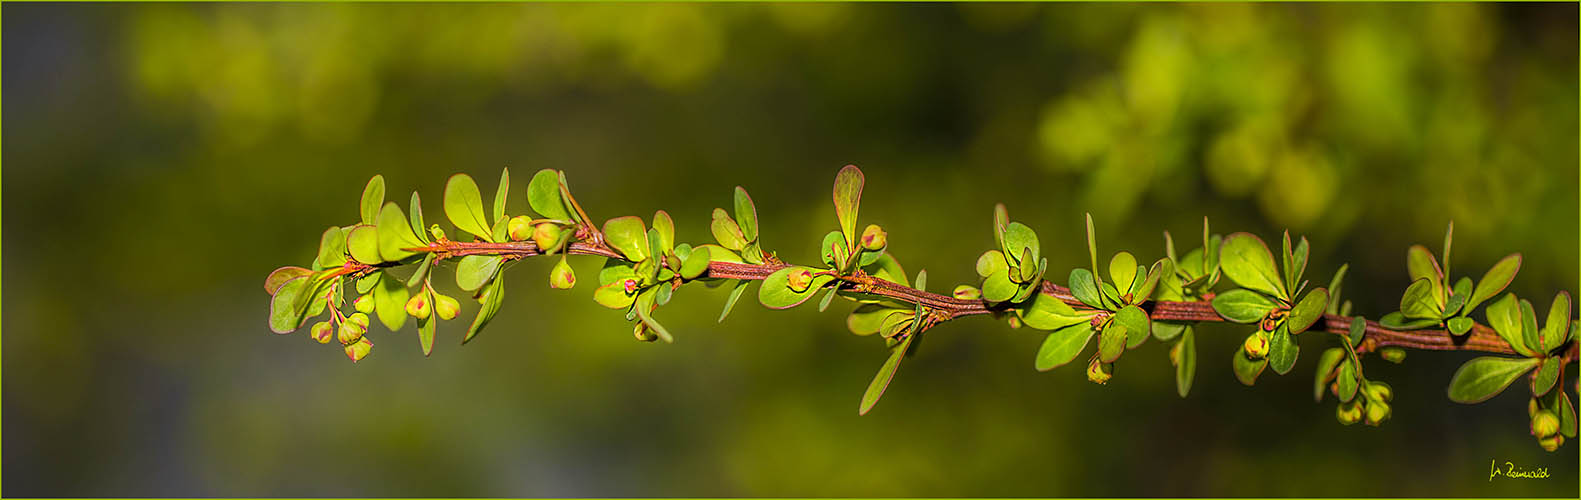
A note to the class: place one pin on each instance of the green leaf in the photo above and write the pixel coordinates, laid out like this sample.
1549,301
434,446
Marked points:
1084,288
875,390
474,271
1420,264
847,199
867,318
1062,346
776,292
363,244
1529,332
1111,342
1485,377
464,207
613,295
418,226
1418,302
1494,281
644,308
332,248
1242,306
998,287
425,333
726,232
280,276
1032,284
1557,329
1334,289
1449,239
1282,350
828,298
735,294
1567,415
1019,240
888,269
695,264
543,195
629,236
1308,311
1298,265
1358,329
501,227
422,271
500,194
1137,326
389,302
666,228
1457,297
1247,369
746,214
1122,269
395,236
1398,321
1328,362
1186,366
1460,325
285,316
365,284
491,306
1168,330
1092,248
1001,222
1048,313
1247,262
372,198
834,251
1547,374
1143,290
1347,382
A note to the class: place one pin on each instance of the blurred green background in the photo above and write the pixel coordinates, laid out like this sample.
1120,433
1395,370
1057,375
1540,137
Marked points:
162,159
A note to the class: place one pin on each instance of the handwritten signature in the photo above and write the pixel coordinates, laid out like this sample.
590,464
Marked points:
1510,471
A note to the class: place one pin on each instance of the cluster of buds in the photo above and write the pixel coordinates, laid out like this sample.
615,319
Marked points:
545,233
1545,426
428,302
352,335
1371,408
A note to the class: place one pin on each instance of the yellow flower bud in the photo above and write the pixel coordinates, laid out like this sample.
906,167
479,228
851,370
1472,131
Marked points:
1531,407
968,292
1392,354
642,333
437,232
359,349
1348,413
446,307
1551,443
323,332
418,306
1379,391
799,280
363,304
562,277
546,234
1174,354
1545,423
1377,412
1256,345
1013,321
353,328
874,238
1099,372
519,228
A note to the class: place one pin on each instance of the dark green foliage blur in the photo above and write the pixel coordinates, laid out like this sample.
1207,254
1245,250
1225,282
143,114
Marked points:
160,160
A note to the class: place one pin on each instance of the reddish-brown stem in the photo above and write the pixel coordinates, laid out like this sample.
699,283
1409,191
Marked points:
1481,338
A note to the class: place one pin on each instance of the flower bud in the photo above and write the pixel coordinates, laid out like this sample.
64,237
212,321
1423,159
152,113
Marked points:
874,238
1348,413
968,292
546,234
446,307
323,332
1531,407
1377,412
1099,372
642,333
363,304
519,228
799,280
359,349
561,277
1256,345
1174,354
418,306
1379,391
1013,321
1551,443
1545,423
353,328
1392,354
437,232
